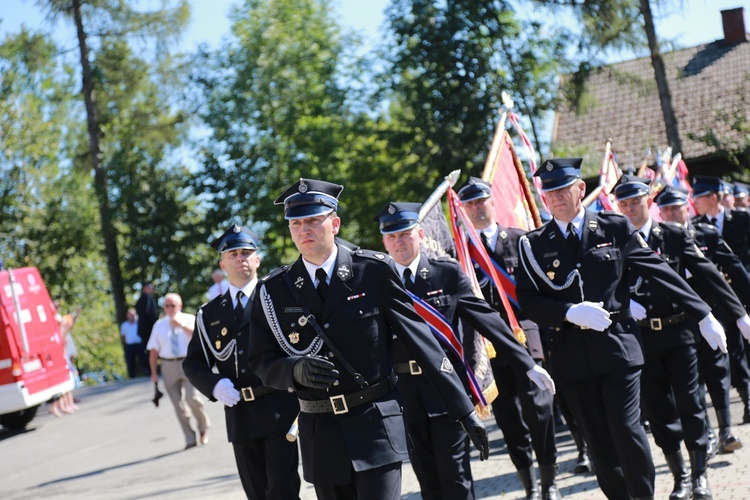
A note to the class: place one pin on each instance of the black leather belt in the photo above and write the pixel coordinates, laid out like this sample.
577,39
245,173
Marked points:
614,316
412,368
172,359
657,324
342,403
253,393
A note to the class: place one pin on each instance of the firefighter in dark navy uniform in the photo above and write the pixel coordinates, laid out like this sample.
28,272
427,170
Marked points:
532,428
670,393
440,456
713,366
734,227
575,280
258,417
323,328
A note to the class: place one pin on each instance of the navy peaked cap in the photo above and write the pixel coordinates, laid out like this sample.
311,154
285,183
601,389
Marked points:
235,238
704,184
398,216
671,196
558,173
630,186
474,189
740,190
310,198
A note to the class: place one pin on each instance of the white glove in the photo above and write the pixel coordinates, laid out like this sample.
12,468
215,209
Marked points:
589,315
541,378
637,311
713,332
225,392
744,325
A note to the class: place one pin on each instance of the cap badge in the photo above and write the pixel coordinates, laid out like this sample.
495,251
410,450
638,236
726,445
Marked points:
302,187
549,167
391,209
236,228
294,337
299,282
343,272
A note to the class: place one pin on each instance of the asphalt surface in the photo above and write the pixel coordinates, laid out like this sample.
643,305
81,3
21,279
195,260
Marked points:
118,445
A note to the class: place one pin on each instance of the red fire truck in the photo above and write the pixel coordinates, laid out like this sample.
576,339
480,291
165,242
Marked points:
33,367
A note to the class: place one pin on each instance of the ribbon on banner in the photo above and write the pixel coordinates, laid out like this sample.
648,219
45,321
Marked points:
443,331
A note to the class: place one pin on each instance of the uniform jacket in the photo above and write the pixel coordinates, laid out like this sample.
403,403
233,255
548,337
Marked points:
736,233
365,306
505,254
268,414
443,285
672,242
714,247
554,277
145,307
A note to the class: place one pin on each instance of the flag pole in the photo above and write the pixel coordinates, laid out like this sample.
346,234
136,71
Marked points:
436,195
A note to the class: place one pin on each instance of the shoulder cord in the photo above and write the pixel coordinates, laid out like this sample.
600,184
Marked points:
222,355
525,246
273,322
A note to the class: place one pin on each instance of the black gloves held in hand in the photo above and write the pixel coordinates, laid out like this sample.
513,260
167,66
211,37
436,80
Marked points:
315,373
477,433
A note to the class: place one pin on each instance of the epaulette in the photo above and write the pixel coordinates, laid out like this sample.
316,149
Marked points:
672,225
707,227
370,254
274,273
443,258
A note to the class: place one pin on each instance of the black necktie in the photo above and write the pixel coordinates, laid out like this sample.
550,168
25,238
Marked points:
712,220
322,283
485,242
573,238
239,309
407,279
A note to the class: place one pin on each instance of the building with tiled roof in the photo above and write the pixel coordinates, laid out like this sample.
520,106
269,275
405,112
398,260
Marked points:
710,87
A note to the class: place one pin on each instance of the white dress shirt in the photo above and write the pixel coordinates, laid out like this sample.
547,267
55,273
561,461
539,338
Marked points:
161,339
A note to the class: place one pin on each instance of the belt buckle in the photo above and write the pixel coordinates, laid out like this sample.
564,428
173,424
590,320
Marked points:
339,402
414,367
248,394
655,324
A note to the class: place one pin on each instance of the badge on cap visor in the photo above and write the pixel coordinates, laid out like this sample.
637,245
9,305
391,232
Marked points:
302,187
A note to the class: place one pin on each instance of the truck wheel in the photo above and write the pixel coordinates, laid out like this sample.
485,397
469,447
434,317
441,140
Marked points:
18,419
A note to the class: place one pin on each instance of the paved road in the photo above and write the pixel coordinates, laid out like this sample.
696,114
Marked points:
119,446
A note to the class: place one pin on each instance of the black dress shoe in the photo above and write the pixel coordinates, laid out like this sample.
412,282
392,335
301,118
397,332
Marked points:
728,442
583,464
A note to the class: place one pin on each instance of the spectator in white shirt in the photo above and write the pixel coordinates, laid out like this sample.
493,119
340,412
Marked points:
132,344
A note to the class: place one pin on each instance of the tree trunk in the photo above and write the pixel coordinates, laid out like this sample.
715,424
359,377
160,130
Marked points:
100,176
665,97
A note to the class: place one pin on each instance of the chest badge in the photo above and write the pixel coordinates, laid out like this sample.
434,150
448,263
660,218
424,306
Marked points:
224,331
556,263
344,272
294,337
551,274
218,344
299,282
302,320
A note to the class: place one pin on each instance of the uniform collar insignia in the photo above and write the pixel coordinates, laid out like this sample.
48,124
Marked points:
299,282
504,235
656,230
593,225
344,272
424,273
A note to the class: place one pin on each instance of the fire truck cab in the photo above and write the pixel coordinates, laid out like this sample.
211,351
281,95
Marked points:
33,366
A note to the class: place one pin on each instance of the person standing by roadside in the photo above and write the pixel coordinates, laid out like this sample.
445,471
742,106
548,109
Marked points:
132,344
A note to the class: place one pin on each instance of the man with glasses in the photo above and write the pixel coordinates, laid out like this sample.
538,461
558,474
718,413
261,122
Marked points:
323,328
168,343
575,280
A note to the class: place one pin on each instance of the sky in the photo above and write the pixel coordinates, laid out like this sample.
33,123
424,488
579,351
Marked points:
699,22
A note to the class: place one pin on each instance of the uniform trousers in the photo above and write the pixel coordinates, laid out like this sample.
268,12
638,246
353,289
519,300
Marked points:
135,359
674,372
738,364
713,370
525,414
441,459
184,395
268,467
380,483
608,413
